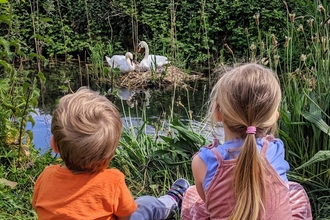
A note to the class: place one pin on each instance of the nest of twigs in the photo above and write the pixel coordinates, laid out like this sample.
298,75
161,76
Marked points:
165,77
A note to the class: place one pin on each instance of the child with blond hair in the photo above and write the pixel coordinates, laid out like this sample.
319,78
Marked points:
86,129
245,177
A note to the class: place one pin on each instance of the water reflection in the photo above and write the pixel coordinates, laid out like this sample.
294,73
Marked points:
130,104
41,130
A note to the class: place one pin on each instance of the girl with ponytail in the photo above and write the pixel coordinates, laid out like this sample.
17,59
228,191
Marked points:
245,177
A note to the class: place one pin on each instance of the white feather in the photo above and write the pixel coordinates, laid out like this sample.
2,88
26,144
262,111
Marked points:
123,63
151,61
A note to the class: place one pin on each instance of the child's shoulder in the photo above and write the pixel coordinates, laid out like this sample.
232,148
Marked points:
49,171
114,172
113,175
274,142
51,168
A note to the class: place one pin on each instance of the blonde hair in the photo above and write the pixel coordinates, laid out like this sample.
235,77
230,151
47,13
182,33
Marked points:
86,128
248,95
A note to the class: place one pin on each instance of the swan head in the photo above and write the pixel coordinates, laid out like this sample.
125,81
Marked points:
142,44
129,55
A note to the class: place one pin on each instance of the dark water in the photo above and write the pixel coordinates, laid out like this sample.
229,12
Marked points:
135,106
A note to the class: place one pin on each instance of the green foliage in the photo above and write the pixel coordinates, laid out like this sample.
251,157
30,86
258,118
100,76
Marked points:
192,33
18,97
320,156
153,154
183,141
291,37
148,160
16,201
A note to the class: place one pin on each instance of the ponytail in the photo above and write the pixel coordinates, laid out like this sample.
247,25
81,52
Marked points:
249,186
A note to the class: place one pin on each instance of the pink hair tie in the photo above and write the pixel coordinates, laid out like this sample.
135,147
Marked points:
251,130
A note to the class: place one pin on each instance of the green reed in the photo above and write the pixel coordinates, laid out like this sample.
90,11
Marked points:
151,162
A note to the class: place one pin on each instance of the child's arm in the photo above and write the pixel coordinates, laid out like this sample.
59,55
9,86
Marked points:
199,171
126,204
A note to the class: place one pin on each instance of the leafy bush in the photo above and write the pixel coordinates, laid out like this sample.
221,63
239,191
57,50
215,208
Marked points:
192,33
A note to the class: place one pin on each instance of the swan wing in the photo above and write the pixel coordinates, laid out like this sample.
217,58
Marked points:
160,60
109,61
120,62
115,60
144,65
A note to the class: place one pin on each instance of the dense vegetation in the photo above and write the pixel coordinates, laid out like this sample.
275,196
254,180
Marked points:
290,37
193,32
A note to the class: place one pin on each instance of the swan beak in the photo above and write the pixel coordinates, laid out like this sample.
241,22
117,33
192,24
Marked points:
139,48
131,62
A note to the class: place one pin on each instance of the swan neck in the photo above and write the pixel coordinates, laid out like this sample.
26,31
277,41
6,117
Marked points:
128,61
146,52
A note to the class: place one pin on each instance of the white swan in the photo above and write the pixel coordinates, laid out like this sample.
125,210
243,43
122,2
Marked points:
150,61
124,63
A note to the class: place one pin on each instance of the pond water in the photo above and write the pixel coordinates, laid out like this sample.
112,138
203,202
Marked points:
135,106
41,130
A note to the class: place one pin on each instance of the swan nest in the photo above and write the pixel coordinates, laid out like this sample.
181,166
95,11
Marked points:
164,78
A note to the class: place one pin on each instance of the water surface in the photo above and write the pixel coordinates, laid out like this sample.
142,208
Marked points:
136,106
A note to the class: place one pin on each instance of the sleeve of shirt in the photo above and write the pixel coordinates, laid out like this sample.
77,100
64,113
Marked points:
126,203
208,157
211,163
275,155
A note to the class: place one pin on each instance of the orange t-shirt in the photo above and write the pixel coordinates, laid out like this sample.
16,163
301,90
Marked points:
60,194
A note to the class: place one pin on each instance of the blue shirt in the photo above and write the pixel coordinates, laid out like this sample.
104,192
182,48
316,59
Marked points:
275,155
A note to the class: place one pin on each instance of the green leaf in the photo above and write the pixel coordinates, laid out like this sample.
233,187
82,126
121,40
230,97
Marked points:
322,155
8,105
4,86
25,86
42,77
316,119
288,139
46,19
5,18
31,119
30,134
7,66
33,55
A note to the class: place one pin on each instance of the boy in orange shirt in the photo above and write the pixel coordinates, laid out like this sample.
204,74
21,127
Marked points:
86,129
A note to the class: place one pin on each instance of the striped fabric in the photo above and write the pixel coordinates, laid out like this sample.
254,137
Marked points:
193,207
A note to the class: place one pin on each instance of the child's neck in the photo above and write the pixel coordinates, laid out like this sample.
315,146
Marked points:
64,167
228,134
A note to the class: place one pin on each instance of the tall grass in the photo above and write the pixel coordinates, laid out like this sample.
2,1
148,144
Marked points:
301,60
151,162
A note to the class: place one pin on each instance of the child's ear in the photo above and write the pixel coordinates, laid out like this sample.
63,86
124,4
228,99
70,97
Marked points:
54,145
219,116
